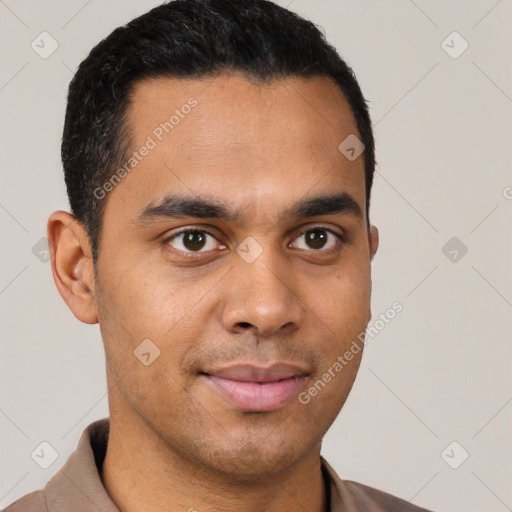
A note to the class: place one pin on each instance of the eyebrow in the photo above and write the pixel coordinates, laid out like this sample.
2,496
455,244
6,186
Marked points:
326,205
179,206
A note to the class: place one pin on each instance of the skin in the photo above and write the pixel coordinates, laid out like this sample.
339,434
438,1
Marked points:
175,442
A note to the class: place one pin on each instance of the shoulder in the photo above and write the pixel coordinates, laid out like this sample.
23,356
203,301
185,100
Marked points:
33,502
352,496
374,500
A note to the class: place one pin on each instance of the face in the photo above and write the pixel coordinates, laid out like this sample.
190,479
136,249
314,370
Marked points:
238,245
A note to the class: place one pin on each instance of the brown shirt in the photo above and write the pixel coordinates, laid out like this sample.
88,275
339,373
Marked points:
77,486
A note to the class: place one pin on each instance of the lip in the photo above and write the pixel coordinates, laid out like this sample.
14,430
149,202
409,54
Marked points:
254,388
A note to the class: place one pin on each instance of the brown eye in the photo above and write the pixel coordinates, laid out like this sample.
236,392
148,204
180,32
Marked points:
317,239
193,240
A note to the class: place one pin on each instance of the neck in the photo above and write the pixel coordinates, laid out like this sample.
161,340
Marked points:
143,474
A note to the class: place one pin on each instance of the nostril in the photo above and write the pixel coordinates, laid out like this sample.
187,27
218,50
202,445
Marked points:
244,324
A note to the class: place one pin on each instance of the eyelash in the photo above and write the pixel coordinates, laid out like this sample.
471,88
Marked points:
195,254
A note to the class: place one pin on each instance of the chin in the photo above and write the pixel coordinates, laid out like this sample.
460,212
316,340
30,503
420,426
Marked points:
252,457
251,465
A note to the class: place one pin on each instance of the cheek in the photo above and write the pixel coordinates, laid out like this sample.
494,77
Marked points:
344,307
160,316
150,323
342,300
146,304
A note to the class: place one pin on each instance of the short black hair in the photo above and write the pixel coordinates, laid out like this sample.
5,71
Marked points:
187,39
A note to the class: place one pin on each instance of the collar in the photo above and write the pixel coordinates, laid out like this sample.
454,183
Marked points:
78,485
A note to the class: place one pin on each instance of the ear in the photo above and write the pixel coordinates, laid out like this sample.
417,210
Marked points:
374,240
72,266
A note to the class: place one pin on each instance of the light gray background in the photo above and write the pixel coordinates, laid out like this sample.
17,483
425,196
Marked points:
439,372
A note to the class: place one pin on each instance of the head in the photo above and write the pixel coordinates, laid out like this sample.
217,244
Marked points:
214,215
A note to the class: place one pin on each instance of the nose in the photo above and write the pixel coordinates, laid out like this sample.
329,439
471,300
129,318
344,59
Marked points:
261,297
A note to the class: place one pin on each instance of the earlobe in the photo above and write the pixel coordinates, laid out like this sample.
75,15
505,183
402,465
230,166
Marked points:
374,240
72,266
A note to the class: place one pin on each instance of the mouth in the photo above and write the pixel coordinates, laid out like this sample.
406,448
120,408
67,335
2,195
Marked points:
252,388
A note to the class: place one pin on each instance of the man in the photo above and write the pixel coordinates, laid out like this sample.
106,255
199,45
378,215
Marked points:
218,158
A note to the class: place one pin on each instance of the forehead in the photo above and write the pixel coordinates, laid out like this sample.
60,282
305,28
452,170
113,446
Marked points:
289,107
231,138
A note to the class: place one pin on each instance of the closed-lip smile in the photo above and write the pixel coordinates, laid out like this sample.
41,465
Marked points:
252,387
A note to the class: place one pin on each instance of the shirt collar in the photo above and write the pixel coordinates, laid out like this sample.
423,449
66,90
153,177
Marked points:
78,485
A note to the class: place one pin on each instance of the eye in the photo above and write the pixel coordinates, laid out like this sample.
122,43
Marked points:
318,238
193,240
